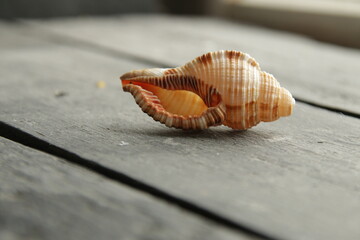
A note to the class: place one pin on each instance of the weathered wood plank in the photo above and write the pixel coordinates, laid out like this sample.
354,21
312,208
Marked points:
290,178
329,20
313,71
43,197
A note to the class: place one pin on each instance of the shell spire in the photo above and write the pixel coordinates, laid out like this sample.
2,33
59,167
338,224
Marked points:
223,87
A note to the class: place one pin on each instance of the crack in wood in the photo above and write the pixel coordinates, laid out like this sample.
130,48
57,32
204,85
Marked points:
332,109
24,138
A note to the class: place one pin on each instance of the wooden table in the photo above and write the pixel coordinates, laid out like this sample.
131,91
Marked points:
79,161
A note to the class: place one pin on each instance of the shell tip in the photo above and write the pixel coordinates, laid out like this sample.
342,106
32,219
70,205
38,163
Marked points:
286,104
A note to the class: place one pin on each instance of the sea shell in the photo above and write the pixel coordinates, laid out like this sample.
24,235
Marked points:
223,87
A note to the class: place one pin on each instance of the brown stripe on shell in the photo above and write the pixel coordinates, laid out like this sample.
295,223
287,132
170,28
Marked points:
234,55
205,59
170,71
239,55
236,120
268,113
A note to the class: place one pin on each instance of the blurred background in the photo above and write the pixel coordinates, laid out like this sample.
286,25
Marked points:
335,21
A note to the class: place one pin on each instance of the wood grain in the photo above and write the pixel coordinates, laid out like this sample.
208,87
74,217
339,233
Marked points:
43,197
329,20
316,72
294,178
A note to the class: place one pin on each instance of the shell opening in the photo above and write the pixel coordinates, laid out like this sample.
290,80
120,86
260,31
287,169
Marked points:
176,105
179,102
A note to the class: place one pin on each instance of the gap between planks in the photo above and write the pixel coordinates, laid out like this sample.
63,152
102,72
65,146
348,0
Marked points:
26,139
115,53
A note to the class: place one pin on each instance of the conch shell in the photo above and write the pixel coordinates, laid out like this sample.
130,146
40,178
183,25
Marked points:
223,87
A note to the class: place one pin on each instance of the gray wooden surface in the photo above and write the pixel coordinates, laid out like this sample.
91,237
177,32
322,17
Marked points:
317,72
297,178
43,197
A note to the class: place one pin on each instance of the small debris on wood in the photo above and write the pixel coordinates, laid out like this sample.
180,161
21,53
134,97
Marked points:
100,84
122,143
59,94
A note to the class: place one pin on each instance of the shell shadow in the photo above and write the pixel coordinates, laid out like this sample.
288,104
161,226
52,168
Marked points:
215,133
207,133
